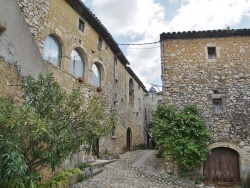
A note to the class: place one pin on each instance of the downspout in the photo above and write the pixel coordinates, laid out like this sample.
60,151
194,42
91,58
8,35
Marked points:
114,99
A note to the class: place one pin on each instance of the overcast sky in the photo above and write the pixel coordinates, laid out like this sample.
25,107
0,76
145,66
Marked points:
142,21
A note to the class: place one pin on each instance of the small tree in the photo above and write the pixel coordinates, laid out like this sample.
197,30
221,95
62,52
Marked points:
46,127
182,134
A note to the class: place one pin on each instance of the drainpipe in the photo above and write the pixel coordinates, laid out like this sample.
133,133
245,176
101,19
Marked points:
115,100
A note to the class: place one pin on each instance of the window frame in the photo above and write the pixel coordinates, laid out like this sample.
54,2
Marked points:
218,108
81,25
211,52
100,43
217,52
82,64
57,42
100,76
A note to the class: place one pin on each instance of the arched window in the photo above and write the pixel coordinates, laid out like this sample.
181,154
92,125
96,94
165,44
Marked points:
131,92
77,64
96,75
52,51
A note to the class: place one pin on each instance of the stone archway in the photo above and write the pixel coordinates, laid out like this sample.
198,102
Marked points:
221,168
129,139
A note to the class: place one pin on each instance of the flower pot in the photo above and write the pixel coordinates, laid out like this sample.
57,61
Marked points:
105,157
80,79
99,89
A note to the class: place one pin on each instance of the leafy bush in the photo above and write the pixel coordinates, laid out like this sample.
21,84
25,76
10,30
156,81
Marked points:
47,126
61,179
182,134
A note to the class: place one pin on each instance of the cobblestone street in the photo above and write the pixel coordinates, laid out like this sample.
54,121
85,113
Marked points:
135,169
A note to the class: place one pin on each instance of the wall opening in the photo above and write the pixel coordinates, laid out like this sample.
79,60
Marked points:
129,139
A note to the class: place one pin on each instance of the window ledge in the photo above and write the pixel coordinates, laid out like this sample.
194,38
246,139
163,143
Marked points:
113,137
212,60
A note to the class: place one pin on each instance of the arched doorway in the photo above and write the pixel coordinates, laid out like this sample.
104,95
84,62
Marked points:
221,169
129,139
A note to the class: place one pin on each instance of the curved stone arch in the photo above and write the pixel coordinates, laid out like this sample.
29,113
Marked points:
236,148
102,69
231,146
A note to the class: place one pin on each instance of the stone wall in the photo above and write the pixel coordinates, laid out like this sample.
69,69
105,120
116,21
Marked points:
63,25
36,15
17,44
10,79
190,76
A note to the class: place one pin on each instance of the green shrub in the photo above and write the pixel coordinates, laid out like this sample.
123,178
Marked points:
182,134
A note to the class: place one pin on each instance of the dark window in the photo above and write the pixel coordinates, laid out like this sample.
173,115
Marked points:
211,52
100,41
81,25
217,105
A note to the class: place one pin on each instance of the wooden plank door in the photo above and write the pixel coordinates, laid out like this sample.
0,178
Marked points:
221,169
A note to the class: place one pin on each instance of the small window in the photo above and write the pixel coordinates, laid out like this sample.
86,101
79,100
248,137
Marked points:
139,87
100,41
217,105
211,52
81,25
159,101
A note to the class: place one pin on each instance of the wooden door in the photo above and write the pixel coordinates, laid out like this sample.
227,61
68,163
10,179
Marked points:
221,169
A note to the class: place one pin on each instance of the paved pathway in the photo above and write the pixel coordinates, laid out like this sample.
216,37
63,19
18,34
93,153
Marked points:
137,169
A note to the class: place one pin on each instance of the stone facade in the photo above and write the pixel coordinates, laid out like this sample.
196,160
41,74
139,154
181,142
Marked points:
60,19
211,70
36,16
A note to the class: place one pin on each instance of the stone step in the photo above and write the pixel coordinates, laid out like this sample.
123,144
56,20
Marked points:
100,163
97,171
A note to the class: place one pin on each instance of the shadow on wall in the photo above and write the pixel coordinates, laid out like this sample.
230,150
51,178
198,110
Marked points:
27,54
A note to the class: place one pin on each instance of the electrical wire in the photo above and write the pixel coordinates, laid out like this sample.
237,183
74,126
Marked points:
141,48
147,43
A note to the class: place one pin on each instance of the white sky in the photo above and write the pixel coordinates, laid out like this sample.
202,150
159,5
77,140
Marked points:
142,21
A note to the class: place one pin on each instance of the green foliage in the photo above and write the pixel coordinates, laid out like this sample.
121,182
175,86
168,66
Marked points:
182,134
61,179
83,165
46,127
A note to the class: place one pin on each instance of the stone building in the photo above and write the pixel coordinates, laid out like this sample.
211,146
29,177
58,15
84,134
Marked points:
80,52
211,69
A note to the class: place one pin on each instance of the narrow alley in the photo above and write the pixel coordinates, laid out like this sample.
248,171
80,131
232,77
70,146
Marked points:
137,169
